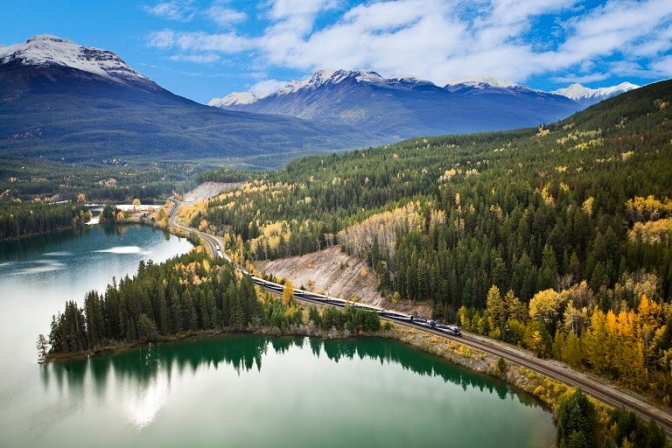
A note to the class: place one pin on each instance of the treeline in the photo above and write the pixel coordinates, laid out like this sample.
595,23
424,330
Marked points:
23,219
187,293
354,320
226,175
111,181
630,343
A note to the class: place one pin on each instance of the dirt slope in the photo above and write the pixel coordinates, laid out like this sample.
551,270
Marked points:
338,274
207,190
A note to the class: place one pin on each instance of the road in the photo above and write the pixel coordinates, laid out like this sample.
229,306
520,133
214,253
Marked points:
597,388
215,245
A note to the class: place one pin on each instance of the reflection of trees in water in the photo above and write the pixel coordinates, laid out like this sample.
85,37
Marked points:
40,243
245,352
417,362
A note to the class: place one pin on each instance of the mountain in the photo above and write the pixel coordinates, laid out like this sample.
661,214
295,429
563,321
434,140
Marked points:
63,101
406,107
586,96
47,51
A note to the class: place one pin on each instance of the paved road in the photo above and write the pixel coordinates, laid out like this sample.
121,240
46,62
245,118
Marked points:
596,387
214,244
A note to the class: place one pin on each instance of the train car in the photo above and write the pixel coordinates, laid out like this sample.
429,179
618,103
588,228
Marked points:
257,281
362,306
422,322
313,296
452,330
396,316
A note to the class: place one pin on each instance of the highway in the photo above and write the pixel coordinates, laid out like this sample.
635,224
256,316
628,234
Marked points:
598,388
215,245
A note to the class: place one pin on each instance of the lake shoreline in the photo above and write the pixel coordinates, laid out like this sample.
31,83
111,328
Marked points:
544,389
120,347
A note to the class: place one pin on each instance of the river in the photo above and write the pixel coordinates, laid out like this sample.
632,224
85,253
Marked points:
234,390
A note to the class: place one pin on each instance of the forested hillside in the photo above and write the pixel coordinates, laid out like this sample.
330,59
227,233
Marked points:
569,223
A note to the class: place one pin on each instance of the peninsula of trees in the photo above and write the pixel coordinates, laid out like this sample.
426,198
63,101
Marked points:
21,220
181,297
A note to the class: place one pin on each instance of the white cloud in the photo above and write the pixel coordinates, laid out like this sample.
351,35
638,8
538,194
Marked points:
440,40
224,16
179,10
581,79
284,9
200,41
196,58
614,27
663,66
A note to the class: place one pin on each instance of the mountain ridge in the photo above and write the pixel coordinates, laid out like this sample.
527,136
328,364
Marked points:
46,50
406,107
576,91
63,101
589,96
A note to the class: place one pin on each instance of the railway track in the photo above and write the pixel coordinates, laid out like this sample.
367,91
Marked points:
602,392
553,369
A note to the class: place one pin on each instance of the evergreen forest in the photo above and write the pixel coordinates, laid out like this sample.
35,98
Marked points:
557,238
20,220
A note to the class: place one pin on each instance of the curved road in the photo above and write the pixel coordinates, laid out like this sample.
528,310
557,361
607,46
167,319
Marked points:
597,388
212,241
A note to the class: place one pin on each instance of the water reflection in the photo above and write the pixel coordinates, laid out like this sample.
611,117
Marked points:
145,374
18,249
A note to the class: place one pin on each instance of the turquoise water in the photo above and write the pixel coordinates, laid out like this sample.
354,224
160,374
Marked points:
233,390
37,276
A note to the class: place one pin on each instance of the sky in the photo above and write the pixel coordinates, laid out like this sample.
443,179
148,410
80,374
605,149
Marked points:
204,49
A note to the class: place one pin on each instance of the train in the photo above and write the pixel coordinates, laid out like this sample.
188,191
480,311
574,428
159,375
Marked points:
277,288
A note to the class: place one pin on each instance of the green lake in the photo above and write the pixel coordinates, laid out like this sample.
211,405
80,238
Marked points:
232,390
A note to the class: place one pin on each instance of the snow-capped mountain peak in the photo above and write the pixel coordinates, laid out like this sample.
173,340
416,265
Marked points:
323,77
234,99
577,92
483,82
320,78
46,50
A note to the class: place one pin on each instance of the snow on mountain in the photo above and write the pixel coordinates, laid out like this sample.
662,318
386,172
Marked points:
319,79
47,50
405,106
582,94
483,82
234,99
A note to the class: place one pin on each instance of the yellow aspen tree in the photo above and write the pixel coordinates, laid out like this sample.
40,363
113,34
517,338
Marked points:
288,294
594,341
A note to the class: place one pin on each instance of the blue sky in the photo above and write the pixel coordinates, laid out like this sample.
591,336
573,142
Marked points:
209,48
